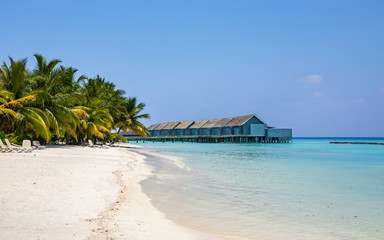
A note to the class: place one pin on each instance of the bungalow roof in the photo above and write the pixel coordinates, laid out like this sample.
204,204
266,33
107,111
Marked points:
161,126
223,122
184,125
240,120
153,126
199,124
211,123
171,125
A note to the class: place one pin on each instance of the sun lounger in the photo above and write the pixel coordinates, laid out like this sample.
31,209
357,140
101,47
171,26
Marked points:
37,145
109,145
26,146
4,148
13,147
100,144
112,145
90,144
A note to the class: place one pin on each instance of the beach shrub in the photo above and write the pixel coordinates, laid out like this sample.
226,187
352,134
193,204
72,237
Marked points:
3,136
18,139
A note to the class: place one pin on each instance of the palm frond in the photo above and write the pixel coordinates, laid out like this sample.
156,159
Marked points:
7,112
93,131
18,102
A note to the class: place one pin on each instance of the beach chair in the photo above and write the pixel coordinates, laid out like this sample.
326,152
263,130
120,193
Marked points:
102,145
113,145
14,147
26,146
4,148
37,145
90,144
110,145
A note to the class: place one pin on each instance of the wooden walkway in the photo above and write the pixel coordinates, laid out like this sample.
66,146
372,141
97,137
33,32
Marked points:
210,139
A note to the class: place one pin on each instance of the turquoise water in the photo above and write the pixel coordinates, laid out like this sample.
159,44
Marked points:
309,189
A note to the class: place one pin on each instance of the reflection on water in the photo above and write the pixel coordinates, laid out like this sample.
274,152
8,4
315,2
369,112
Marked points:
306,190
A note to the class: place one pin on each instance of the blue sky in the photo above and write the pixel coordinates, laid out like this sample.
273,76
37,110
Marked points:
315,66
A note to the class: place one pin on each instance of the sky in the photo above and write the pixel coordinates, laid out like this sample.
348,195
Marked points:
314,66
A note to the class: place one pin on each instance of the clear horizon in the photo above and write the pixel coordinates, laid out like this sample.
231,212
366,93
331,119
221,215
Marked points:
315,67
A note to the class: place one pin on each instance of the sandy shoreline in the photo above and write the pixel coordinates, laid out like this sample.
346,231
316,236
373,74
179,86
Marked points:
74,192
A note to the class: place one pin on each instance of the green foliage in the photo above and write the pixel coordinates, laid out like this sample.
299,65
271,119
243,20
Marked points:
130,115
49,103
3,136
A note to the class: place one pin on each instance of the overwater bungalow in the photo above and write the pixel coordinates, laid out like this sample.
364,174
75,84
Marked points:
169,130
195,128
218,129
157,131
183,128
245,125
151,128
248,128
207,129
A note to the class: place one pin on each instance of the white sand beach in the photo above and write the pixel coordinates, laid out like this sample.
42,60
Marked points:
76,192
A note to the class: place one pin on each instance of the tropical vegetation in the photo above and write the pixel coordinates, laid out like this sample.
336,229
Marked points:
50,103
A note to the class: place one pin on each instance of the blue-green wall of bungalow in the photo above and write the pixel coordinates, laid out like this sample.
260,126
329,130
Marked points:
165,132
183,132
246,127
180,132
169,132
173,132
206,131
258,130
195,131
279,132
237,130
226,131
156,132
217,131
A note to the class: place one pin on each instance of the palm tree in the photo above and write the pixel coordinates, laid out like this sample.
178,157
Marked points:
104,105
7,114
129,119
49,101
57,92
94,124
16,83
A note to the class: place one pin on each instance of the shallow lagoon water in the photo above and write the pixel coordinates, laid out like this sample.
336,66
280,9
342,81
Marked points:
309,189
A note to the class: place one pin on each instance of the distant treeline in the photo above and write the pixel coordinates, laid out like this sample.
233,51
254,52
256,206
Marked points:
50,103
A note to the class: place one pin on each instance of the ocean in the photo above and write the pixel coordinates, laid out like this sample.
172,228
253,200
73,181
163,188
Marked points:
308,189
